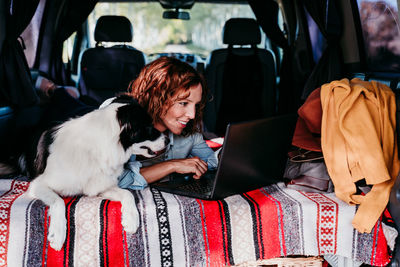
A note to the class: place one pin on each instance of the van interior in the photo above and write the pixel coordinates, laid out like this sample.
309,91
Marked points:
259,59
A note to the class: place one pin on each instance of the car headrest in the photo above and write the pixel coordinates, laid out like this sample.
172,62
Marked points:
241,31
113,29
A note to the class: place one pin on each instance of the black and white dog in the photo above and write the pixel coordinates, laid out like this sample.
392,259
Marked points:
86,155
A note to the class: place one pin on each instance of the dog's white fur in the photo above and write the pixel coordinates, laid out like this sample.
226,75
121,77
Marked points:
87,158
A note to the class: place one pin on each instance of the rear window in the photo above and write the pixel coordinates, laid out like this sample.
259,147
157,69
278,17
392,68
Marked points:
153,34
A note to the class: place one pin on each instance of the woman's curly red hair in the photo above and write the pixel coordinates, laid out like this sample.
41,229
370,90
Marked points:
160,81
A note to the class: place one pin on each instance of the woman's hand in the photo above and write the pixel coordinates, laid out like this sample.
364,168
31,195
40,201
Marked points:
190,165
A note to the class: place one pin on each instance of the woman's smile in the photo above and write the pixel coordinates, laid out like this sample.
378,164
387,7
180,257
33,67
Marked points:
182,110
183,123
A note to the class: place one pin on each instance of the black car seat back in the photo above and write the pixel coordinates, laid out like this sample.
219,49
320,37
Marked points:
241,79
106,71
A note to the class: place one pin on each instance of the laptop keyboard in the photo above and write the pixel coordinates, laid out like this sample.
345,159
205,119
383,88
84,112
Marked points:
200,186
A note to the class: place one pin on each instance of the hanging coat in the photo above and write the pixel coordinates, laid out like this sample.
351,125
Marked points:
358,139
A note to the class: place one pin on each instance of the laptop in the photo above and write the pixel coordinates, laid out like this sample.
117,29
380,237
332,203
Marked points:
253,155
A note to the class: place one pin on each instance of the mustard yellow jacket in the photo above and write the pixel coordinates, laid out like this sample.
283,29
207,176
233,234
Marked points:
358,139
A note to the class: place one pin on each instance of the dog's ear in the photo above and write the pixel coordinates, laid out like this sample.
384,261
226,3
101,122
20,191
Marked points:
132,115
136,125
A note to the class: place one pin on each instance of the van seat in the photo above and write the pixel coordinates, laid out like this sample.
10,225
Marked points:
106,71
241,77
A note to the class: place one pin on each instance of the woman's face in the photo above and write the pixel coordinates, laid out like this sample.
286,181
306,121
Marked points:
182,110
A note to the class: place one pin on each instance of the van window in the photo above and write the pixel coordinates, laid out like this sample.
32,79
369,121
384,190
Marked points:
153,34
68,47
381,32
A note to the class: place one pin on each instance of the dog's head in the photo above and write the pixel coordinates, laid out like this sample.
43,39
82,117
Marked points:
137,131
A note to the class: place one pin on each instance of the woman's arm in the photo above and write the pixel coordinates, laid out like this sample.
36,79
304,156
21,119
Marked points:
202,150
137,177
190,165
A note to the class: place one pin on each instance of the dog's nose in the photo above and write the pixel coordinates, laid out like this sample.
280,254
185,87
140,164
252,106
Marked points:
166,140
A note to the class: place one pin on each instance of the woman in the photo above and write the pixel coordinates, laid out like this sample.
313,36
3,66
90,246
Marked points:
174,95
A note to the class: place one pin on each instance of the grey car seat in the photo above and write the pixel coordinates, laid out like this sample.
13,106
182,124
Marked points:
241,80
106,71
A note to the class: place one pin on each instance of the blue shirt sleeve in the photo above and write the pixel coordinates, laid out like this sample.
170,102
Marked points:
202,150
131,177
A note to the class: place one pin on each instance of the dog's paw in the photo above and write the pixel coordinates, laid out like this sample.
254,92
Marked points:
130,219
56,236
57,230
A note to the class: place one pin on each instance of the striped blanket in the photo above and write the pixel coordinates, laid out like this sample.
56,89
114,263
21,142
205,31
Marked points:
178,231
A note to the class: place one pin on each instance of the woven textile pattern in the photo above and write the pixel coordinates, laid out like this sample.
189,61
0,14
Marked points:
178,231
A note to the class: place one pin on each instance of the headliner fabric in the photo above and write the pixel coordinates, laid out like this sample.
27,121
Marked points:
174,230
358,138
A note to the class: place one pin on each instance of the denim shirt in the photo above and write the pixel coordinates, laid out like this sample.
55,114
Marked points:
179,148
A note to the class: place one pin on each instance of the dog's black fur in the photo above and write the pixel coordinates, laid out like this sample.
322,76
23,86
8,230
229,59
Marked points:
39,152
135,123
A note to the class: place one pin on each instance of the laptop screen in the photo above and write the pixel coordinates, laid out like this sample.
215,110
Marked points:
254,154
